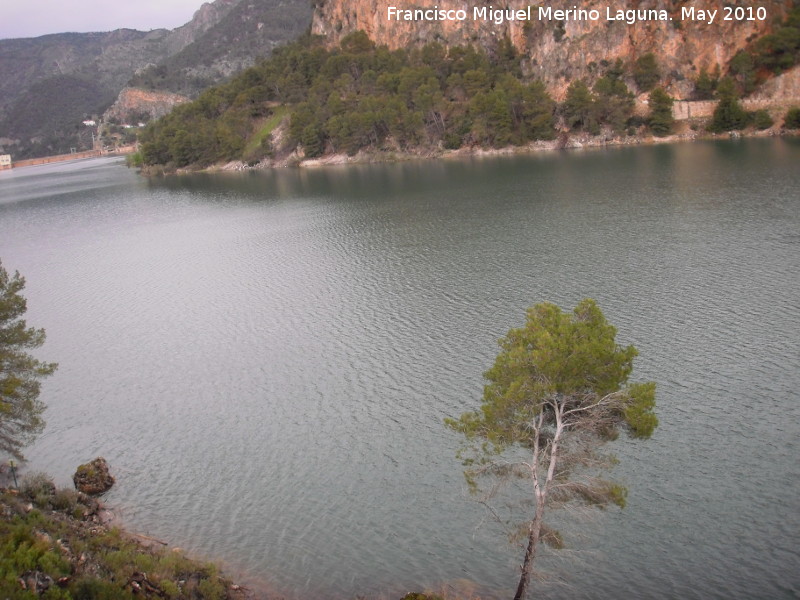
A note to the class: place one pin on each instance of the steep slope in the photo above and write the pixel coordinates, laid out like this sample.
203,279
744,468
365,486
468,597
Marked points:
108,58
559,50
222,37
250,30
105,58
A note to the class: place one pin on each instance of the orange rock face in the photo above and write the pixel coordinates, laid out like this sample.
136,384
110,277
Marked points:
559,48
135,101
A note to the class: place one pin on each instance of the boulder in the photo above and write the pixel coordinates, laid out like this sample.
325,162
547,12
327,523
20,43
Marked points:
93,478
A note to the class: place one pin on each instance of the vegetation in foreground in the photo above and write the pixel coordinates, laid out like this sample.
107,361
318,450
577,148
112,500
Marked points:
20,372
557,392
54,547
52,543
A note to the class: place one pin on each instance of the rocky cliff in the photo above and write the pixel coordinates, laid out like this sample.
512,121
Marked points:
132,103
559,50
248,31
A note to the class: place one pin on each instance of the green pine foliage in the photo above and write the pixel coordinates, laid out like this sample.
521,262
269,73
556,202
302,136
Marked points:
20,372
365,97
729,114
761,119
359,96
780,50
743,71
661,120
578,108
614,102
646,72
792,118
706,84
558,390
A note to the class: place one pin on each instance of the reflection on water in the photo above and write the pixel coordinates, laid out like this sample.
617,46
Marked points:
266,358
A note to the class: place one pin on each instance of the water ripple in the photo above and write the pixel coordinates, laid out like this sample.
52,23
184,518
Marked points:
266,359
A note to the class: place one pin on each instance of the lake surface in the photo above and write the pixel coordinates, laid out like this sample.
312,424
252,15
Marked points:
266,359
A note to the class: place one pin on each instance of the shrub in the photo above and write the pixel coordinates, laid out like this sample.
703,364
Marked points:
134,160
37,487
705,85
170,588
65,500
97,589
661,119
211,589
792,118
761,119
646,72
729,114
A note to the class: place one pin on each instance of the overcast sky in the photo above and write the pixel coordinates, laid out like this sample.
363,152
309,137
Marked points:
32,18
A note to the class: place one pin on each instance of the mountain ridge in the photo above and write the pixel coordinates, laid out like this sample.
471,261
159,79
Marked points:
41,114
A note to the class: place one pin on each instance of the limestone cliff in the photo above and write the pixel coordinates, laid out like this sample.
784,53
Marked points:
133,102
560,50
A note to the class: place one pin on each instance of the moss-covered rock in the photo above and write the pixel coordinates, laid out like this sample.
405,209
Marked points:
93,478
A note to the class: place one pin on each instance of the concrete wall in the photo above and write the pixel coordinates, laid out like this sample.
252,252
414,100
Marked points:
776,95
683,110
46,160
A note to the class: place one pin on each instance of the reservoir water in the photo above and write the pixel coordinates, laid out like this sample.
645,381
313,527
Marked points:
266,358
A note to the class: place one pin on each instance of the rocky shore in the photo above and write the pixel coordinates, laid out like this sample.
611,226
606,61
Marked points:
63,543
683,133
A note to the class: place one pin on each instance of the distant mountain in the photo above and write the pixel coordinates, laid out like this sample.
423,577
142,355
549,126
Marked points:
250,30
49,84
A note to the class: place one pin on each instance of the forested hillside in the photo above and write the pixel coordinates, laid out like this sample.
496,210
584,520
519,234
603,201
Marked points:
346,99
361,96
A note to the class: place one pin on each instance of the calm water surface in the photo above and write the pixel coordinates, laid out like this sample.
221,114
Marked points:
265,359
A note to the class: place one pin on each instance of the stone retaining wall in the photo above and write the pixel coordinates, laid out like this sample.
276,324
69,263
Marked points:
46,160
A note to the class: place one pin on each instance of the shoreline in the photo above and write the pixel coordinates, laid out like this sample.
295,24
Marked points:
81,546
564,142
249,587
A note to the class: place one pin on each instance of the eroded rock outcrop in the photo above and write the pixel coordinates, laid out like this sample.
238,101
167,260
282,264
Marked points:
134,102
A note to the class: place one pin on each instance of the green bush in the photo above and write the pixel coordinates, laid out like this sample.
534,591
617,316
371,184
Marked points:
170,589
211,589
661,119
646,72
761,119
98,589
705,85
65,500
49,545
37,487
134,160
729,114
780,50
792,118
25,549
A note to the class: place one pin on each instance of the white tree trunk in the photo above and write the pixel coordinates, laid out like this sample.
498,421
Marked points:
540,491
